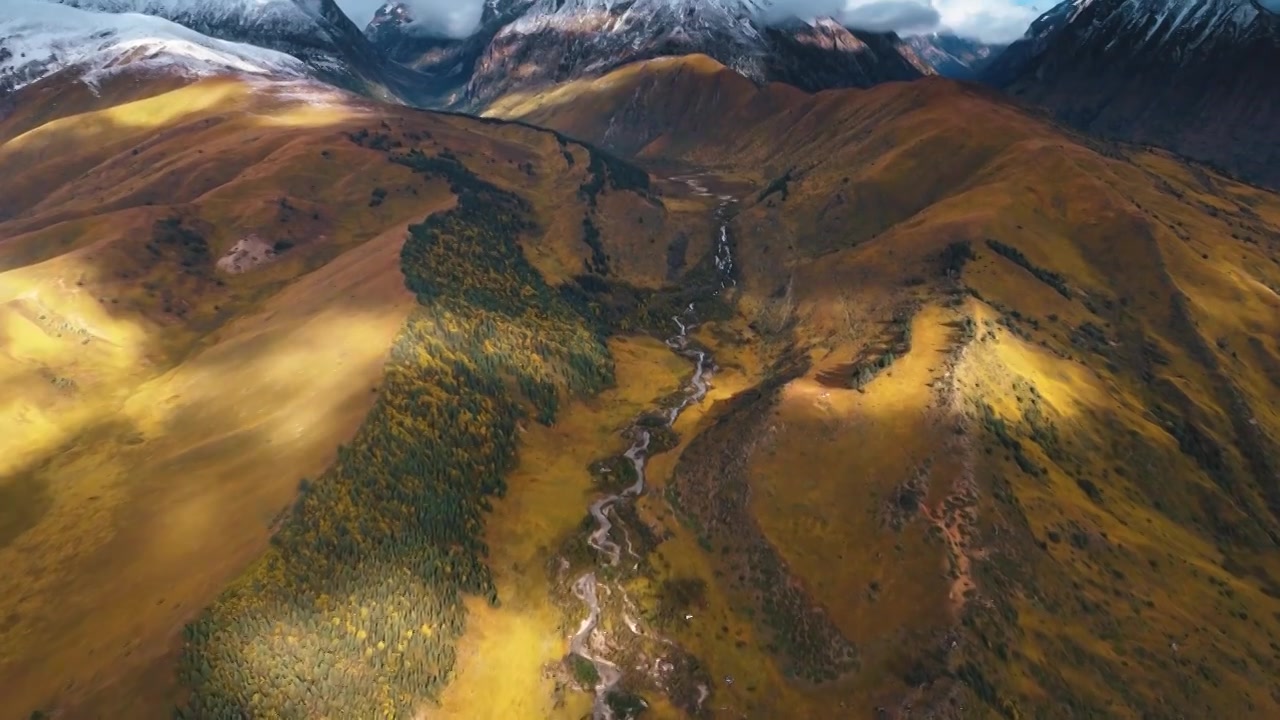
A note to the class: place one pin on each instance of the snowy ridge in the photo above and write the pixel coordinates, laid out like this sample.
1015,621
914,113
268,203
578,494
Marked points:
630,26
1152,22
315,31
680,17
297,16
1188,22
1172,33
559,39
39,38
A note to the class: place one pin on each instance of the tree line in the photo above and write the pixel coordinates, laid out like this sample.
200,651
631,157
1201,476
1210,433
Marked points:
355,608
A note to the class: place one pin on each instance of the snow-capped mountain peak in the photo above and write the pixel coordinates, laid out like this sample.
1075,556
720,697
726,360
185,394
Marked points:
1190,22
315,32
543,42
39,38
1155,20
300,13
685,17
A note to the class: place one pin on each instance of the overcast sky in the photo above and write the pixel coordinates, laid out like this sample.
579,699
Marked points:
987,20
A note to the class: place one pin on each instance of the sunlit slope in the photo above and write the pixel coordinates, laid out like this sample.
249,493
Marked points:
1041,482
655,107
199,289
1093,454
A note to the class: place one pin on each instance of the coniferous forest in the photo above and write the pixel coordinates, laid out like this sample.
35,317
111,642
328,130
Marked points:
354,610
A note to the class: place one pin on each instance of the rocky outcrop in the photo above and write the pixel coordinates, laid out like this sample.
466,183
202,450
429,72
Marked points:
826,55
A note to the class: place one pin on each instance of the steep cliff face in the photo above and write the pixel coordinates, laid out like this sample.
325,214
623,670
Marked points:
1197,76
827,55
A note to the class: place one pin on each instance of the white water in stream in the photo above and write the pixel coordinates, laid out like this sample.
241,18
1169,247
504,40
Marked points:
586,587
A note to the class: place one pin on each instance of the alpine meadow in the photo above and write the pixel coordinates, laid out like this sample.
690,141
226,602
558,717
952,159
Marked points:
666,359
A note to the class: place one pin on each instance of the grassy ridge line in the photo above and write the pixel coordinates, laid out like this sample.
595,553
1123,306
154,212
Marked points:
710,493
355,609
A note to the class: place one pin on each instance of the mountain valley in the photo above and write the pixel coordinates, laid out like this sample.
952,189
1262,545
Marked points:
776,375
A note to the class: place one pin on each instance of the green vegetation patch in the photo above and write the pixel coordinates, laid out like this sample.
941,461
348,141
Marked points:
625,705
355,608
614,473
777,186
710,492
1048,277
598,263
603,168
895,344
584,671
954,257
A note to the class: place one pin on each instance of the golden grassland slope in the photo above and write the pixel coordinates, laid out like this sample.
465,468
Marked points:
1039,484
502,657
163,394
1118,353
990,436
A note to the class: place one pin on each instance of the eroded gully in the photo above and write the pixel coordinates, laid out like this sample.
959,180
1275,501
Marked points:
586,586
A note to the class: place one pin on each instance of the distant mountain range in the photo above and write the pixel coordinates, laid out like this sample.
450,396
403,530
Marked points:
519,45
315,32
524,45
1196,76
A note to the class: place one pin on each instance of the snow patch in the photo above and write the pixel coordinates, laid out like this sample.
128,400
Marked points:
296,14
42,37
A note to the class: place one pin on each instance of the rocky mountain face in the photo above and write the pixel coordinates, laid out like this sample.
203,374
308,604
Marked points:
1196,76
445,63
525,45
317,32
826,55
953,56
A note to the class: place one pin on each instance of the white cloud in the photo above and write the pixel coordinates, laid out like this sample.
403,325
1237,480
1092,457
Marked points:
986,20
901,16
995,21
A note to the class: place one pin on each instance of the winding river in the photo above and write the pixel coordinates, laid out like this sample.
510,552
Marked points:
586,587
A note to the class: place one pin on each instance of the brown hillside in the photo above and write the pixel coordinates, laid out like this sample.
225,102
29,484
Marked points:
989,432
1054,490
199,287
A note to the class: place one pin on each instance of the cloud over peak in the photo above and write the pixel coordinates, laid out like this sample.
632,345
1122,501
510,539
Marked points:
996,21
